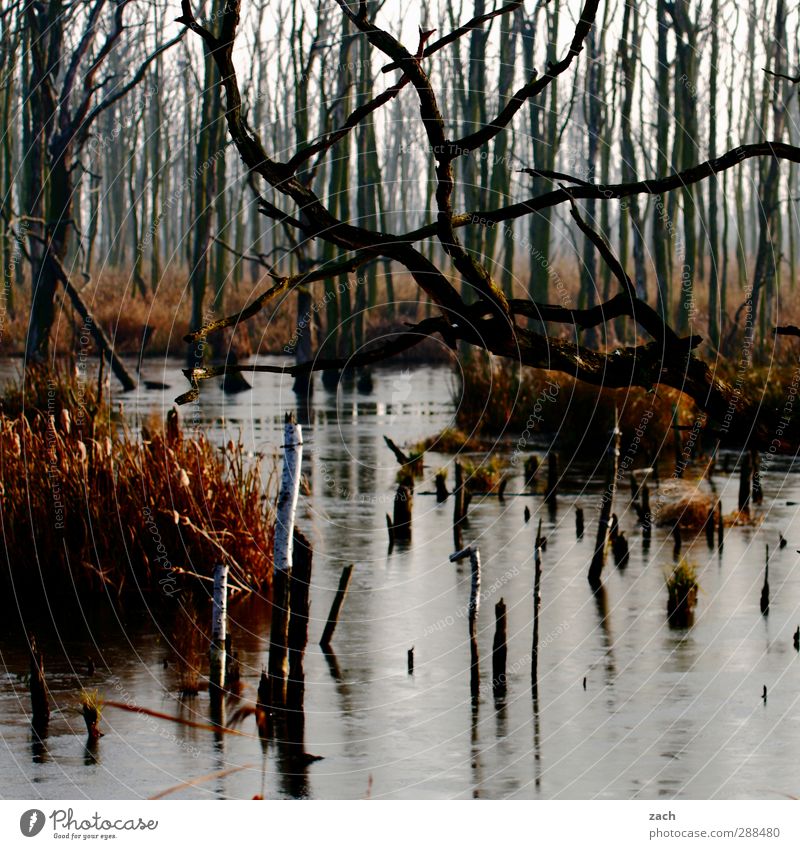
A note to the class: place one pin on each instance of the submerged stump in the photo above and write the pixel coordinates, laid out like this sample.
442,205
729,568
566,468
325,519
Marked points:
40,706
499,651
401,525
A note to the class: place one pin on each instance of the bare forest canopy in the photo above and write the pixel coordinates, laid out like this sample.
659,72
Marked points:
607,190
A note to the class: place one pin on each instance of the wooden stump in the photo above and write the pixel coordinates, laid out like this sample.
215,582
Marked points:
441,488
537,601
284,536
333,616
599,557
401,525
219,628
299,607
709,528
764,602
458,506
473,609
551,493
620,550
499,651
647,517
40,706
758,492
680,608
745,482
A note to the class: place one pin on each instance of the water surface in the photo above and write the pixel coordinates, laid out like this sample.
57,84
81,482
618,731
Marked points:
663,713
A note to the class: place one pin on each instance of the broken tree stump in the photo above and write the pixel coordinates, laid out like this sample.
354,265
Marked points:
458,505
90,709
403,502
537,601
599,556
579,522
219,628
499,651
441,487
551,493
282,559
473,609
620,550
299,607
333,616
764,602
677,541
745,482
40,706
708,527
757,491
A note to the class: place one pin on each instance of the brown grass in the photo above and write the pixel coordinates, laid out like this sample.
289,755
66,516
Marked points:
87,504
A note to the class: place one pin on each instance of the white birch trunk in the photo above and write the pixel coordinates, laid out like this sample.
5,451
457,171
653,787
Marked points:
287,499
282,561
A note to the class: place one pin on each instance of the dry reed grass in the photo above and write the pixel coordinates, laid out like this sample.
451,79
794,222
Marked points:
87,505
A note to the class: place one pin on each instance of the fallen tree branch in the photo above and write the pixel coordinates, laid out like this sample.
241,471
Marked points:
403,341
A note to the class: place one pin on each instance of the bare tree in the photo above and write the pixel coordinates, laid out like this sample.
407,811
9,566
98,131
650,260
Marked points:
484,317
65,94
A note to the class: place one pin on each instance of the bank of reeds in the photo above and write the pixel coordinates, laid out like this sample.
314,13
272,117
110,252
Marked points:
496,397
87,505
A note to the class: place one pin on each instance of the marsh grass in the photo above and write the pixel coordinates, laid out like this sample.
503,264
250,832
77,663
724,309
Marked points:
682,588
499,398
86,506
187,642
483,475
91,708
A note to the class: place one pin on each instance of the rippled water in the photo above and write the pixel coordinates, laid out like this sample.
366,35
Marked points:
664,713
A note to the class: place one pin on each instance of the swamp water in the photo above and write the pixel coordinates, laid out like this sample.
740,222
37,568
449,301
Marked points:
664,713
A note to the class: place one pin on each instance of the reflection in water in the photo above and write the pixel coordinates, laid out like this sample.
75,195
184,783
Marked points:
677,716
537,747
475,751
91,753
601,601
39,753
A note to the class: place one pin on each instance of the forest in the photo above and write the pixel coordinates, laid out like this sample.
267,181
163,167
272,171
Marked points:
271,265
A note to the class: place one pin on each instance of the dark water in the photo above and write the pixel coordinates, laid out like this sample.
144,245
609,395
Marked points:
664,713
